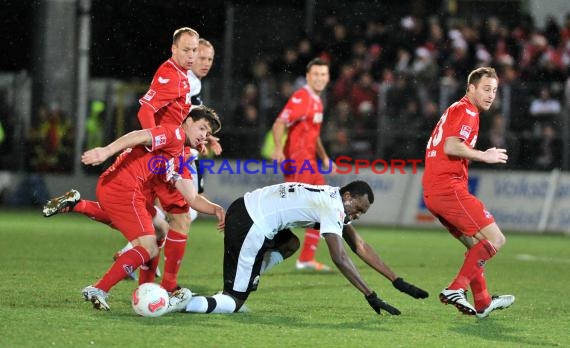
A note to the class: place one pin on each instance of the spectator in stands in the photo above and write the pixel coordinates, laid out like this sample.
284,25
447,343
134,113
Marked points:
548,148
544,110
338,131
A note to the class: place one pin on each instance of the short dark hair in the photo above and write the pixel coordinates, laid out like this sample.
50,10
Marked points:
316,61
178,33
358,188
476,75
203,112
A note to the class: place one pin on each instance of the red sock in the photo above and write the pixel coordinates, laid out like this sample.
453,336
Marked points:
474,262
92,210
129,261
481,296
174,249
147,272
312,238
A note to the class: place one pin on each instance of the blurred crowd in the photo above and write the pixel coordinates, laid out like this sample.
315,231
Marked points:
391,80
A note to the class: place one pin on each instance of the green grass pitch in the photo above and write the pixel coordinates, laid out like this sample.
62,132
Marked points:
44,264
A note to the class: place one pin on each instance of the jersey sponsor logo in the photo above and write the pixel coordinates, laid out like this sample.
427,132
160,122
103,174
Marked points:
149,95
296,100
470,113
159,140
465,131
163,80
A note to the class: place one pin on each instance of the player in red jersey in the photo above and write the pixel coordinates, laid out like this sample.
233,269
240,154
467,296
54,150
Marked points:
302,117
150,154
175,204
449,150
167,102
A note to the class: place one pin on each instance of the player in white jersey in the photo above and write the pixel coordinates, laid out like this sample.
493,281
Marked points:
257,236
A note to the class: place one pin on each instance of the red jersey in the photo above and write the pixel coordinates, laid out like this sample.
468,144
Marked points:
445,173
169,94
136,166
303,114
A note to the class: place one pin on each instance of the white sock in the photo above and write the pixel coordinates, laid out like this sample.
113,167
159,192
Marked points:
224,304
270,259
199,304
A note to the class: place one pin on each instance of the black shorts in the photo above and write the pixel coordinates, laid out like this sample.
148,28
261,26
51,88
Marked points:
244,247
200,176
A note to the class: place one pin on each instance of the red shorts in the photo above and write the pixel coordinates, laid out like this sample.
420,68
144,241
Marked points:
460,212
126,207
170,198
306,175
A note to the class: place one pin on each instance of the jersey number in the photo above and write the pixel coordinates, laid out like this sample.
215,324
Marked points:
435,139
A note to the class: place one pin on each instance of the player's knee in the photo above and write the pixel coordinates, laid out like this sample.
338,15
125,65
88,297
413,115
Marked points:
161,228
499,241
180,222
149,244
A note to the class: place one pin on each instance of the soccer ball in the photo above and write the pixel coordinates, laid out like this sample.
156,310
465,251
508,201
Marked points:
150,300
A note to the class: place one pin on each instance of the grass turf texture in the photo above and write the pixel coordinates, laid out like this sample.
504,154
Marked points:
46,262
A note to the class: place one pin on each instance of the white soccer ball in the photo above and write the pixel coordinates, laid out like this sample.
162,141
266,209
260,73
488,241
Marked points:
150,300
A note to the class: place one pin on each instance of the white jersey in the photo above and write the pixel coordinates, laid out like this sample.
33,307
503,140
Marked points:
195,84
288,205
195,89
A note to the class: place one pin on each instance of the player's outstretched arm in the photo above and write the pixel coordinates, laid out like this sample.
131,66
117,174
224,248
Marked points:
455,146
372,259
279,128
98,155
345,265
199,202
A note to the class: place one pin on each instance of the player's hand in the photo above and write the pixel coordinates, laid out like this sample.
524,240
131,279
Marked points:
95,156
214,145
278,155
377,304
409,289
494,155
221,215
328,164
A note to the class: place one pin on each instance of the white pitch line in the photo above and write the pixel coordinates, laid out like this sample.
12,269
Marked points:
527,257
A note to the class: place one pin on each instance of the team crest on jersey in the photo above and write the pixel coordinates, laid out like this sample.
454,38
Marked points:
465,131
318,118
149,95
159,140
